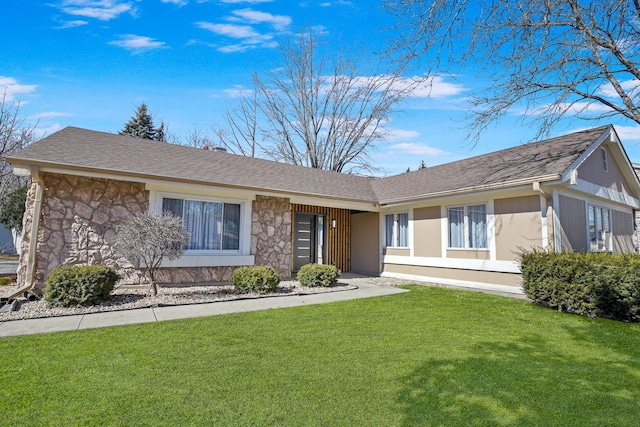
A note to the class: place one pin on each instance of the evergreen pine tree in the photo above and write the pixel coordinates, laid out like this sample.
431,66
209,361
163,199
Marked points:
160,136
141,125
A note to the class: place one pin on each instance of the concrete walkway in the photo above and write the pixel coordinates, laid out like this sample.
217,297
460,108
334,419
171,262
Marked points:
159,314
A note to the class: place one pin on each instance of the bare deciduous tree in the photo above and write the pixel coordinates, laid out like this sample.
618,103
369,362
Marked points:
151,237
317,110
551,58
15,134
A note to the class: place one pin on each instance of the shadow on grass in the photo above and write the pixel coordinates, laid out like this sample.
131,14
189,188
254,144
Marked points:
525,382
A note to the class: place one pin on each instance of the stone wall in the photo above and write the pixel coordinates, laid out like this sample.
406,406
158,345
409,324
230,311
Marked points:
271,233
78,224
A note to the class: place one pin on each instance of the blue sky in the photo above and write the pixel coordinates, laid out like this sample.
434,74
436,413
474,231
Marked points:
90,63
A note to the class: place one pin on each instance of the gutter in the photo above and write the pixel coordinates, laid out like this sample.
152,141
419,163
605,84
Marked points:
33,237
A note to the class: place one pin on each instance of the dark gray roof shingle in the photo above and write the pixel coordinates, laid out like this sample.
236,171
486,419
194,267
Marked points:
99,151
103,152
527,162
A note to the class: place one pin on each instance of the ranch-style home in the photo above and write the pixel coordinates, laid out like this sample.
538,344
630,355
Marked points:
463,222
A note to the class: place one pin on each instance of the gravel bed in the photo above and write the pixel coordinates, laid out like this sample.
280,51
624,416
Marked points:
127,298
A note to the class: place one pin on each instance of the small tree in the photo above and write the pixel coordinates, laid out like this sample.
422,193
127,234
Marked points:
151,237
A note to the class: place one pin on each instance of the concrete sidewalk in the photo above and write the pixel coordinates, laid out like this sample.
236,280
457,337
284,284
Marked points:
159,314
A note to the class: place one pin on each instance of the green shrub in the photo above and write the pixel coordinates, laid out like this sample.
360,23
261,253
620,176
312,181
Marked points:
79,285
5,281
314,275
589,284
258,278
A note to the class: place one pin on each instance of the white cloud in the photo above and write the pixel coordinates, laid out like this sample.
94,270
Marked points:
230,30
279,22
400,134
49,114
103,10
245,1
628,133
176,2
71,24
9,88
237,91
416,148
631,87
435,87
138,43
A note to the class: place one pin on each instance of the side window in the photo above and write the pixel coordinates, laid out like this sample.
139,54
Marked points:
396,230
467,226
599,229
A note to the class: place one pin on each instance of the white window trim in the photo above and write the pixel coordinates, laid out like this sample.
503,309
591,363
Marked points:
489,227
211,258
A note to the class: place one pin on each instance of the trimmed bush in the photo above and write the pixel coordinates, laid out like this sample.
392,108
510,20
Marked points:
79,285
258,278
315,275
589,284
5,281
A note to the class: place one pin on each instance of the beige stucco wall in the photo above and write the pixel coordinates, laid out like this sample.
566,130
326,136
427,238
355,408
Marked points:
591,170
468,254
365,243
491,277
427,236
396,251
573,220
518,223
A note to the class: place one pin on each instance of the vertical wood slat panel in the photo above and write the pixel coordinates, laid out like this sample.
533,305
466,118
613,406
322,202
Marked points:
338,240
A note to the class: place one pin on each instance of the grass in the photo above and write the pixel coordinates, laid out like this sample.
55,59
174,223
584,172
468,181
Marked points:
429,357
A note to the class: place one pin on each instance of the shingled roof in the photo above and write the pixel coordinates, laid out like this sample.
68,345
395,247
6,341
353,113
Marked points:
99,152
83,149
541,161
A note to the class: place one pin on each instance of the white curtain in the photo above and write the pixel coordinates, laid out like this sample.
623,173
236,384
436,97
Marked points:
456,227
388,230
478,226
403,229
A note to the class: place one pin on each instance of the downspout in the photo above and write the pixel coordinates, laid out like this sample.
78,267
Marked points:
33,237
537,187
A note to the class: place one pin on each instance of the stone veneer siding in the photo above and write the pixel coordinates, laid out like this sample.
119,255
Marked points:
77,226
80,216
271,233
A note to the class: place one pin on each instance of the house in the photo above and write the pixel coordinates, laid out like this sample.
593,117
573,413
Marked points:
462,222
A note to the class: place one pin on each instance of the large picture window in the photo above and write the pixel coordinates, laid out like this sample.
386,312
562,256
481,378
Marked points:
214,226
467,227
599,228
396,230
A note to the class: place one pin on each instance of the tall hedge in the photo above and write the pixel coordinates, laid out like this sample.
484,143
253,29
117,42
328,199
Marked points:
590,284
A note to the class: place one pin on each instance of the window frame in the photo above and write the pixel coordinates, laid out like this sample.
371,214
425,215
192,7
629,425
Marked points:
591,236
208,199
395,234
467,226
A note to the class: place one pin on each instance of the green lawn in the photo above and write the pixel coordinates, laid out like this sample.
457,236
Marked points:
432,357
